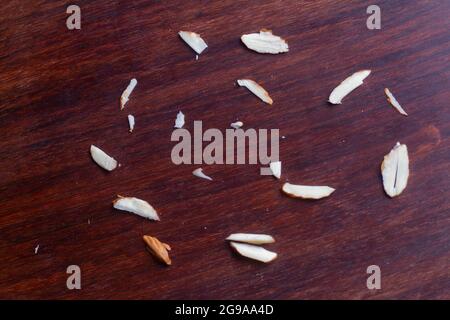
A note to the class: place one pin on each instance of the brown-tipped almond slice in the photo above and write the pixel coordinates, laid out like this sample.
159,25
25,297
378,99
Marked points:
158,249
256,89
194,41
394,102
254,252
265,42
127,92
395,170
252,238
307,192
137,206
347,86
102,159
131,122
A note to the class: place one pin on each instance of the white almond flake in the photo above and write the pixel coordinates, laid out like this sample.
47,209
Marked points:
196,57
256,89
126,94
307,192
179,121
347,86
237,125
394,102
36,249
137,206
265,42
199,173
275,167
102,159
395,170
254,252
193,40
251,238
131,122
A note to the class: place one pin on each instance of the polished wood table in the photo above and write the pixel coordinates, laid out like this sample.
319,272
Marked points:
60,93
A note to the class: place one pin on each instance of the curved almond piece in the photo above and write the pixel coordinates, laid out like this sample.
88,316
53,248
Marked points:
394,102
102,159
193,40
256,89
237,125
307,192
199,173
347,86
251,238
265,42
254,252
137,206
395,170
158,249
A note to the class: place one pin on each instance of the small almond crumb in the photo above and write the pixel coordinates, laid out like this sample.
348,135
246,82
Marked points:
179,121
237,125
158,249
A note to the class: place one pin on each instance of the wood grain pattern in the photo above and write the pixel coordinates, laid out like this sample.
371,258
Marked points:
59,94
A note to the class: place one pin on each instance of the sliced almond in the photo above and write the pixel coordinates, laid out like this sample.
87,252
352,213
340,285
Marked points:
237,125
102,159
395,170
254,252
256,89
251,238
199,173
265,42
347,86
131,122
275,167
179,121
126,94
158,249
307,192
193,40
394,102
137,206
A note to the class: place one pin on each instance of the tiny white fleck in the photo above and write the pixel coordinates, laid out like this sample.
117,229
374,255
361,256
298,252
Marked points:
36,249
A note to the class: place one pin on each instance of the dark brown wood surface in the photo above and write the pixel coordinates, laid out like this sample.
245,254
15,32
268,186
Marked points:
59,92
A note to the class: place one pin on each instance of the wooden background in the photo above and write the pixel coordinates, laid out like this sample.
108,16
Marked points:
59,94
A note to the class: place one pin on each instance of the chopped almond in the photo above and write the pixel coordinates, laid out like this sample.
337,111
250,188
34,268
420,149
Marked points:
158,249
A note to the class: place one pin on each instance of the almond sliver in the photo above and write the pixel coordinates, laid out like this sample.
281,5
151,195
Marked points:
347,86
194,41
131,122
265,42
137,206
394,102
254,252
307,192
158,249
251,238
199,173
275,167
395,170
126,94
102,159
256,89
